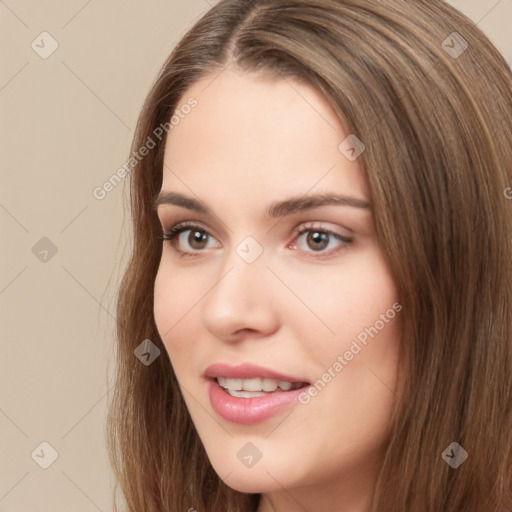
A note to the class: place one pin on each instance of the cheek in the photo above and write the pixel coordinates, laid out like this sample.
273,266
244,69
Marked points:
354,300
363,355
165,303
353,344
174,298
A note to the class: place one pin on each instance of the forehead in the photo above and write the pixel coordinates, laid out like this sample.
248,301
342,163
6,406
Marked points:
250,134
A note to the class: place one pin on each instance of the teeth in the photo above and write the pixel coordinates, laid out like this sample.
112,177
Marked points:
269,385
285,386
233,384
246,394
255,385
252,384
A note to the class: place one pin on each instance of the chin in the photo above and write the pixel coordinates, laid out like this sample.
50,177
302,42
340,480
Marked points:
268,474
250,482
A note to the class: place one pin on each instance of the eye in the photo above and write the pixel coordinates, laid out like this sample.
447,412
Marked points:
189,239
314,239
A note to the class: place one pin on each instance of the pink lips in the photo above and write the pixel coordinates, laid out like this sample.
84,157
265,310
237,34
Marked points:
246,371
247,411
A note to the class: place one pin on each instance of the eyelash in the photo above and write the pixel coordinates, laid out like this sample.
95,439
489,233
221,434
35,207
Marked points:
171,234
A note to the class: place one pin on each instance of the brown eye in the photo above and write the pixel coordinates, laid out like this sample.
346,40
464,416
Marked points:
196,239
189,239
323,242
317,240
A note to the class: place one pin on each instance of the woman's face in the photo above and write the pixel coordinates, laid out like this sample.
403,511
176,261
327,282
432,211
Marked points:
273,282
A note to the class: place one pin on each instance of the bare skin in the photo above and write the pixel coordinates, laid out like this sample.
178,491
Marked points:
296,308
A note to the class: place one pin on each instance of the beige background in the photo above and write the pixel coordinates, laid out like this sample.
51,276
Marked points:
66,123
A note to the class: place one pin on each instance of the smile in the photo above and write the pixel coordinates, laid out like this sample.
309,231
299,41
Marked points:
248,394
251,388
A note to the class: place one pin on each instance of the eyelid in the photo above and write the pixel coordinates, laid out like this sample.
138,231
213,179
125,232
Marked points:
310,226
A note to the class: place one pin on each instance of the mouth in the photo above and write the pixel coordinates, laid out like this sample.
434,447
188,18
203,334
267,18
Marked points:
248,394
256,387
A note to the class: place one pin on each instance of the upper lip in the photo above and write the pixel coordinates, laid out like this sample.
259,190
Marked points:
247,371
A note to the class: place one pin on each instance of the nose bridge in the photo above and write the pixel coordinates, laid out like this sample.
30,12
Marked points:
240,298
241,275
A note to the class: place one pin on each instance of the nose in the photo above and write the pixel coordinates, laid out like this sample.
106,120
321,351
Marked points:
242,302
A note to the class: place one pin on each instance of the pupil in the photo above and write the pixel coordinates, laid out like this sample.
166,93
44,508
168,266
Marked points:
318,238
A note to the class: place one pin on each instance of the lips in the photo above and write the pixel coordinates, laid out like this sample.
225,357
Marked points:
248,371
245,407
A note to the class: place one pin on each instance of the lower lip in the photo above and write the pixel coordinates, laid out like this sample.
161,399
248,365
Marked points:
247,411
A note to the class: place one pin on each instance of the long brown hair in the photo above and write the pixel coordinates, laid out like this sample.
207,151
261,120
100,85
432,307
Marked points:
431,98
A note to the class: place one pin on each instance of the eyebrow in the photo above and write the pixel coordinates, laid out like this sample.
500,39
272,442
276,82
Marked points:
276,209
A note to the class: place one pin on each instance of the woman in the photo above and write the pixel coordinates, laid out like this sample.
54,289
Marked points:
319,296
